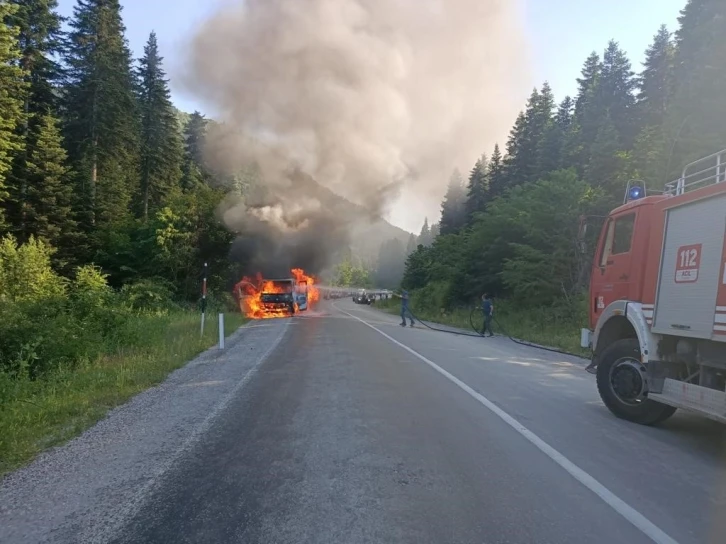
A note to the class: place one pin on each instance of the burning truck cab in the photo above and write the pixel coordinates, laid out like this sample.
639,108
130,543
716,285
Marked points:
261,298
278,296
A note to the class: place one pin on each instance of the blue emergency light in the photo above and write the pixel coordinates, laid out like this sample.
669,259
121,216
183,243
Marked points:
636,192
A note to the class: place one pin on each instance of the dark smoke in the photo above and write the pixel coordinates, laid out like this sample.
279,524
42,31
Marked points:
302,228
377,100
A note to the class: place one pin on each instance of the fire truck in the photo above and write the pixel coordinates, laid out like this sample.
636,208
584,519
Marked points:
658,299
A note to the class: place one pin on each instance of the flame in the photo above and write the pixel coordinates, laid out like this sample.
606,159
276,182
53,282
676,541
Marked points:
249,294
302,278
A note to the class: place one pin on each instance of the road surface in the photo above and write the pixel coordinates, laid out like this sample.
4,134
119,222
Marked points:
343,427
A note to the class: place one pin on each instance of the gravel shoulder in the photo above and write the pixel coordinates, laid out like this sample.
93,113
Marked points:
85,490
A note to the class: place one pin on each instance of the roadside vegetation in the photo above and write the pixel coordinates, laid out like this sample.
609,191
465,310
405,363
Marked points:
108,214
72,349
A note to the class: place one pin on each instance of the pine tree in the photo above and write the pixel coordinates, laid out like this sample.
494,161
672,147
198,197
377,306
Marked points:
496,174
193,171
554,152
605,161
695,121
102,129
616,92
588,80
48,206
411,245
161,147
522,163
453,213
478,189
39,38
424,238
656,80
13,88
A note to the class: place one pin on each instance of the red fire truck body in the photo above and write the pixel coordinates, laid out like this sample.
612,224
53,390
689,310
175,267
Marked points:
658,300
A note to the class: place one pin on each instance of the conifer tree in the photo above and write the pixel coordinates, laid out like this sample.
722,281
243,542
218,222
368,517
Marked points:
656,80
588,80
616,92
102,128
47,208
193,171
13,88
411,245
39,39
161,146
477,190
496,174
453,212
424,238
695,120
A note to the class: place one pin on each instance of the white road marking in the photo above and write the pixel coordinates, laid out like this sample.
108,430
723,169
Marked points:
621,507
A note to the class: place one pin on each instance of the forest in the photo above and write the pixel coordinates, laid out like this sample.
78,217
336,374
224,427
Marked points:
511,229
107,215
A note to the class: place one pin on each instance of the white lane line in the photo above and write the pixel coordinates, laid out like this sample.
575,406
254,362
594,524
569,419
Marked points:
621,507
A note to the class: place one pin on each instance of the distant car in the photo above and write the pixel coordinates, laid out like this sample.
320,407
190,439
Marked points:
361,297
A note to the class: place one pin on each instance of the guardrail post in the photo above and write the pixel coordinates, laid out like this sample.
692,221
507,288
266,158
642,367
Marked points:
221,331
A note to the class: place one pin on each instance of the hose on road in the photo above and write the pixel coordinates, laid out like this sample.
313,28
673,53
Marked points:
481,335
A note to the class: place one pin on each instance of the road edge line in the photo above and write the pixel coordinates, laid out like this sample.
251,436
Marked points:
637,519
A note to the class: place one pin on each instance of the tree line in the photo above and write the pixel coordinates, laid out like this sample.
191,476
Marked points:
95,161
512,228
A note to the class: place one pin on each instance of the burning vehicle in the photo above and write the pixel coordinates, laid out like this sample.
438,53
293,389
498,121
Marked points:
261,298
279,296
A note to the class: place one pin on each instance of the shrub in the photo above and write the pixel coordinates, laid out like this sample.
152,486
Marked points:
26,273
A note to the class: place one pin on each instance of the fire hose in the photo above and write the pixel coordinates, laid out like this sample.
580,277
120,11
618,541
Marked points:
480,334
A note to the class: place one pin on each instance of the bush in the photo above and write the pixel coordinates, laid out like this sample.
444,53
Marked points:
26,273
150,296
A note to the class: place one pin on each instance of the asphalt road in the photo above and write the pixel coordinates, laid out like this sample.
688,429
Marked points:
351,429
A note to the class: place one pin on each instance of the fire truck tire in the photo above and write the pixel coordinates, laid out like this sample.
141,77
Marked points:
626,353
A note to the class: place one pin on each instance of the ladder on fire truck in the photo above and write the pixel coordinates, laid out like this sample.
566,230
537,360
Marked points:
706,171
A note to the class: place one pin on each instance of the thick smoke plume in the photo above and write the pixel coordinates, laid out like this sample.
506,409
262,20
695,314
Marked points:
377,100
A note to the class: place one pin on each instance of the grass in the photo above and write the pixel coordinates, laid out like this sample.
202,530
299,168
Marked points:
39,414
552,327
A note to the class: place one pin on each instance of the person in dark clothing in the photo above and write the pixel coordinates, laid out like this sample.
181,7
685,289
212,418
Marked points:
404,309
487,307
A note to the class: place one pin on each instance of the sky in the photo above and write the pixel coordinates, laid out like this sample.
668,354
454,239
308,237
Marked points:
562,34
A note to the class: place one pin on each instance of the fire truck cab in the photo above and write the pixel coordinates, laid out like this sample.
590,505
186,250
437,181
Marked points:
658,299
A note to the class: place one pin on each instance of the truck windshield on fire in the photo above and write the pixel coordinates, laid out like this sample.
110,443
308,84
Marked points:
278,291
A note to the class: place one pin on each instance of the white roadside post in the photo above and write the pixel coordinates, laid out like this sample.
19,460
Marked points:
204,300
221,331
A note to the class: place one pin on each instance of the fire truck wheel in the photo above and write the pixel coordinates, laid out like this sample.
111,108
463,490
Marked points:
622,384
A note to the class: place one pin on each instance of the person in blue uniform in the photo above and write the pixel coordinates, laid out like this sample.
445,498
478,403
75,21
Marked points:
404,309
487,307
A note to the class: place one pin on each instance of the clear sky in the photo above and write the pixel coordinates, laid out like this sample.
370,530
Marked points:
562,32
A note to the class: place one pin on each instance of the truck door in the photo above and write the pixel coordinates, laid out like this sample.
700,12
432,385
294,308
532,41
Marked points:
302,295
612,275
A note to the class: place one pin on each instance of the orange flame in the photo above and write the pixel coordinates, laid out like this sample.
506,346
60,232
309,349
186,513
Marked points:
303,279
249,293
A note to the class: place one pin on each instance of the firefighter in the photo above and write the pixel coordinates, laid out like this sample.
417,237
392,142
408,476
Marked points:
404,309
487,307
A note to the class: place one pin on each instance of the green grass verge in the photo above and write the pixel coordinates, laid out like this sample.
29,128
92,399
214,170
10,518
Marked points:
38,414
552,327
